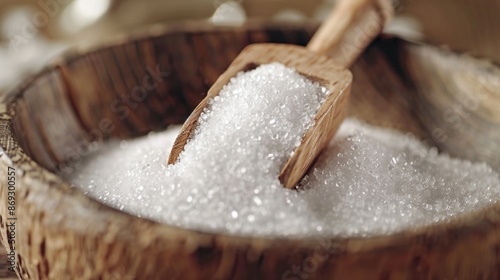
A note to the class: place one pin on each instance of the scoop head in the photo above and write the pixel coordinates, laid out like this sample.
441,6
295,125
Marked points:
318,68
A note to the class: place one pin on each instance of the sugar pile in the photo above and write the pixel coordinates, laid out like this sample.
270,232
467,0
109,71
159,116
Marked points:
369,181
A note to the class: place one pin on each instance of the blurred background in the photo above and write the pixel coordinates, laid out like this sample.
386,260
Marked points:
34,32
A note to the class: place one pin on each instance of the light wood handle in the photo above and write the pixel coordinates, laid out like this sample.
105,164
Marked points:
351,26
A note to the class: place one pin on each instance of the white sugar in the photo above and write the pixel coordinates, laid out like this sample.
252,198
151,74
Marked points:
369,181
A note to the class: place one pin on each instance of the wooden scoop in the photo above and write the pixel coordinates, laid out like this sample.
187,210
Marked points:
345,34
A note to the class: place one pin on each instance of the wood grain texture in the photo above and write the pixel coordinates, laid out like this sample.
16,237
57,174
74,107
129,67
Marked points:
350,28
62,234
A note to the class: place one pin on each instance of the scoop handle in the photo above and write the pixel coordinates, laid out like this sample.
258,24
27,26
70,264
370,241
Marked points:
350,27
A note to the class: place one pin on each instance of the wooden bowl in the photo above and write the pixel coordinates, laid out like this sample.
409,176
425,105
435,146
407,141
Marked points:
62,234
